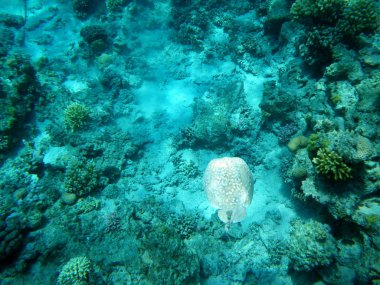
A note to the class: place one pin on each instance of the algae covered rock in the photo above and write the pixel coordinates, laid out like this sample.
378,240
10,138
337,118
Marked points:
166,257
367,215
217,116
311,245
302,165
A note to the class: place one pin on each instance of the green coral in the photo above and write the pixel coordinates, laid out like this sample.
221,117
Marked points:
319,45
167,256
75,272
330,164
76,116
359,16
19,90
82,8
320,10
336,99
316,141
351,17
372,221
333,22
115,5
311,245
81,177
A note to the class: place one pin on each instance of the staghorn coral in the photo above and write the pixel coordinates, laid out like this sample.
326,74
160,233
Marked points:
330,164
75,272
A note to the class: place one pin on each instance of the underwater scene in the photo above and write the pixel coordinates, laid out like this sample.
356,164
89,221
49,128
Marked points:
214,142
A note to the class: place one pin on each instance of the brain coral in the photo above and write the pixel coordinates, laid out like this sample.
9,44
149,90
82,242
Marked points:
228,183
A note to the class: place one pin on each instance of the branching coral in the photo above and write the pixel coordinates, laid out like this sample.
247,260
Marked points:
320,10
351,16
318,46
81,177
19,89
115,5
333,21
75,272
76,116
360,16
330,164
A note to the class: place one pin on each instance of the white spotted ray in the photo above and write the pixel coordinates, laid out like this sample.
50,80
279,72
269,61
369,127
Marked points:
228,184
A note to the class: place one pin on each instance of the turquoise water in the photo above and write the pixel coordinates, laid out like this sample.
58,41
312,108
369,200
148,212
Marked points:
189,142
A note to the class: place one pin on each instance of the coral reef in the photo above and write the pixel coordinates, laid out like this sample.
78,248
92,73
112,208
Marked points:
166,258
277,103
8,40
319,11
319,45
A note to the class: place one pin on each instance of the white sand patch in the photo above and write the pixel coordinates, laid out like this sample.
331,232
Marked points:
57,157
253,87
175,99
75,86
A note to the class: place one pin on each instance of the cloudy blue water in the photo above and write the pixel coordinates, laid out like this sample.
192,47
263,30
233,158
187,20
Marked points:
111,112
